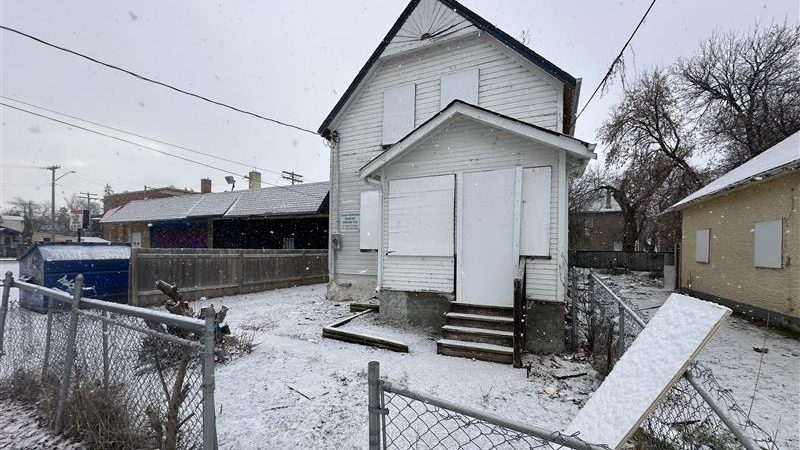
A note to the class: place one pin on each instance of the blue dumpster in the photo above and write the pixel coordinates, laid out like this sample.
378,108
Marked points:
55,265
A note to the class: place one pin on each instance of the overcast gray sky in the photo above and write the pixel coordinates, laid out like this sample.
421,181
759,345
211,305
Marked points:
287,60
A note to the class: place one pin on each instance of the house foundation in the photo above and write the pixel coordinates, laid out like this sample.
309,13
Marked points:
544,331
422,309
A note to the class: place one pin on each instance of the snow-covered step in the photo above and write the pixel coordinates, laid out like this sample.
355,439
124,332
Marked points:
483,310
480,321
484,335
476,350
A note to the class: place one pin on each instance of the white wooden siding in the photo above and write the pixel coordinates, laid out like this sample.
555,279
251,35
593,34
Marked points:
434,18
466,146
507,85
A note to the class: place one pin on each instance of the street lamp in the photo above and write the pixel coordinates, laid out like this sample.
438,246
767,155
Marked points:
52,170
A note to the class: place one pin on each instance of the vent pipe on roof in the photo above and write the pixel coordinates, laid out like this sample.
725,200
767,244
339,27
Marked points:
205,185
255,179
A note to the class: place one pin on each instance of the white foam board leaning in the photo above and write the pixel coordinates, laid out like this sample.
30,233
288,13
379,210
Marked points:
649,368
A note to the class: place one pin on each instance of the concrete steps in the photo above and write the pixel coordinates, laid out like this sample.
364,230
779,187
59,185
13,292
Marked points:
483,332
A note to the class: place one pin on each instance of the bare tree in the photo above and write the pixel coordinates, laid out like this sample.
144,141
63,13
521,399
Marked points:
649,123
745,89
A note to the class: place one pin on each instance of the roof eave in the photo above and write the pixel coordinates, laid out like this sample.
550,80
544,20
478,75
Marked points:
478,21
752,180
573,146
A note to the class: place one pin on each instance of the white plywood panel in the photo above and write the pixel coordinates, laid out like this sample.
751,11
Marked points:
649,368
460,86
370,220
487,253
535,220
420,216
398,112
702,245
768,244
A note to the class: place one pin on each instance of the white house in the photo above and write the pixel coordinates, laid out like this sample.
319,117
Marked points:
451,153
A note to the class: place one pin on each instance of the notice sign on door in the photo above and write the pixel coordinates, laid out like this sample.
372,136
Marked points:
349,222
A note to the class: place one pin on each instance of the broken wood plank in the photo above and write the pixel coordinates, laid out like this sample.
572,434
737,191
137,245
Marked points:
332,332
359,306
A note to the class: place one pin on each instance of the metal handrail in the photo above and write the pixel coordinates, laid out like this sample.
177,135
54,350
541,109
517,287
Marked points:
519,313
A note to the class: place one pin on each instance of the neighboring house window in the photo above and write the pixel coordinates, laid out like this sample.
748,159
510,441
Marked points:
370,220
702,244
398,112
460,86
288,243
136,239
768,244
617,246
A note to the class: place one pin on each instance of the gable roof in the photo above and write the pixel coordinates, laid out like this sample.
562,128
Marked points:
476,20
306,198
777,159
459,108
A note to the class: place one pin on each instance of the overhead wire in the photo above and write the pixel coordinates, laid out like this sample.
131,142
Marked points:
140,136
154,81
183,158
616,60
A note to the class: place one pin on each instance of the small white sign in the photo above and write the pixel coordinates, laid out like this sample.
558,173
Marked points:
349,222
136,239
76,220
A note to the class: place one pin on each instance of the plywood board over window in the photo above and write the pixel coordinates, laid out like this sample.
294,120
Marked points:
461,85
421,216
535,216
702,245
398,112
768,244
370,231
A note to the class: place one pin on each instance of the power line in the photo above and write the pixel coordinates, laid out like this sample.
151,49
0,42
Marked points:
183,158
119,130
154,81
616,60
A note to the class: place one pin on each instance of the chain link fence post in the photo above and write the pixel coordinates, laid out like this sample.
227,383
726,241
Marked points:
208,354
374,404
621,337
48,335
69,355
7,282
106,361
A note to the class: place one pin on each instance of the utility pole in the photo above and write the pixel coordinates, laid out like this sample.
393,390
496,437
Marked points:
89,197
53,179
291,176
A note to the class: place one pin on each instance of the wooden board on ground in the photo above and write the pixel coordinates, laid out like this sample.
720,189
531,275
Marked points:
649,368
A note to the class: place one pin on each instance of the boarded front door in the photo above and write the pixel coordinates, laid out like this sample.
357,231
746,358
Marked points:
487,238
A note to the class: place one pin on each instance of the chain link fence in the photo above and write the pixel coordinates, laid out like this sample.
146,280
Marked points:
402,419
697,413
109,375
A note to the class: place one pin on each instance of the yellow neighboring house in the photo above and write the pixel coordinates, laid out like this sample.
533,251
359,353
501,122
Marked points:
741,238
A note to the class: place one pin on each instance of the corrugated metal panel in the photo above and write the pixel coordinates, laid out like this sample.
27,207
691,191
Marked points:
278,200
298,199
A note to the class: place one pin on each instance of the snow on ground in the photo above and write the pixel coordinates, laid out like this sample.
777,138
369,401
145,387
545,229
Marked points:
20,429
730,355
258,402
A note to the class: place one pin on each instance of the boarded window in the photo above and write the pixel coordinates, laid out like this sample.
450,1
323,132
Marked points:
535,218
421,216
702,244
370,220
460,86
398,112
768,243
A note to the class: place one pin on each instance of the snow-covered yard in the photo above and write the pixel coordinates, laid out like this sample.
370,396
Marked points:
21,430
257,396
730,354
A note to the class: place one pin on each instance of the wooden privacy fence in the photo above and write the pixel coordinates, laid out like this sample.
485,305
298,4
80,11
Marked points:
641,261
218,272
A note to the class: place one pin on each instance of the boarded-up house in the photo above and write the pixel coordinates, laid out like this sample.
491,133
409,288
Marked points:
741,237
451,153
